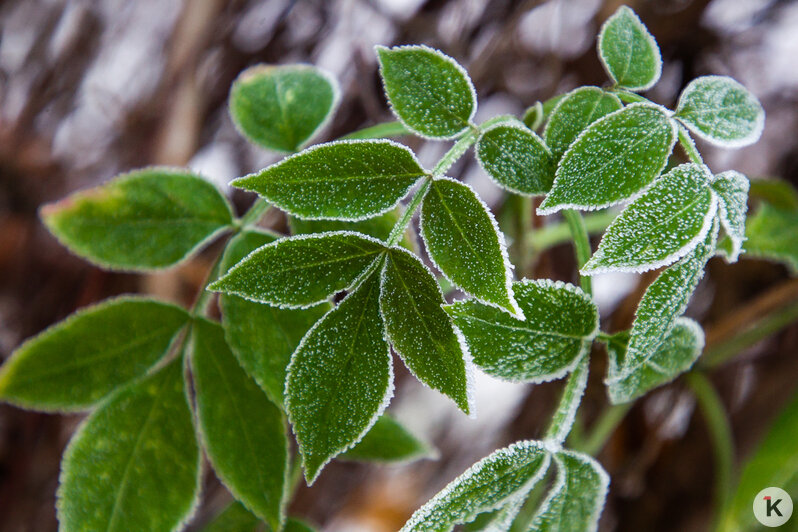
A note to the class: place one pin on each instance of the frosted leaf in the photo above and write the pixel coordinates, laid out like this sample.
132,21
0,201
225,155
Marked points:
561,322
563,419
629,53
344,180
340,378
486,486
465,243
659,227
721,111
516,158
613,159
502,519
300,271
573,113
676,354
388,441
771,234
577,497
420,331
379,227
732,190
428,91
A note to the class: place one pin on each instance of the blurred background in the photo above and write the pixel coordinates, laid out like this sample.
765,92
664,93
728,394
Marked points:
89,89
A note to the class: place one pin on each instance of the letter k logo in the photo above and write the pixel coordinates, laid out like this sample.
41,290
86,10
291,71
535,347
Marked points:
772,506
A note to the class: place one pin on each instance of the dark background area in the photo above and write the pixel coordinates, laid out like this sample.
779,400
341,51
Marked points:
91,89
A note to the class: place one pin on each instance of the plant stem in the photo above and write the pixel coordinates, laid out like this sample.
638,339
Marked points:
200,305
581,244
689,146
559,233
603,428
378,131
255,212
455,152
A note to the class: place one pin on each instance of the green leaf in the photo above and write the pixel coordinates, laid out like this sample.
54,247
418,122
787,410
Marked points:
378,227
561,322
282,107
676,354
419,329
778,192
771,234
563,419
344,180
577,498
261,336
486,486
428,91
388,441
300,271
613,159
464,241
243,432
234,518
661,226
134,461
721,111
516,158
577,110
379,131
340,379
78,361
144,220
732,190
629,53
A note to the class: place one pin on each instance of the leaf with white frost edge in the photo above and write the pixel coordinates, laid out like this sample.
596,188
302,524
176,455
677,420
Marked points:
732,190
465,243
771,234
340,379
612,160
343,180
426,340
629,53
430,93
577,498
301,271
388,441
659,227
486,486
721,111
561,322
563,419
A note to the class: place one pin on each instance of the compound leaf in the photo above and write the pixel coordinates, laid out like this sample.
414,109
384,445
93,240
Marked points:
732,190
428,91
721,111
516,158
243,432
419,329
282,107
340,378
661,226
465,243
388,441
613,159
344,180
561,322
300,271
78,361
629,53
486,486
134,460
147,219
771,234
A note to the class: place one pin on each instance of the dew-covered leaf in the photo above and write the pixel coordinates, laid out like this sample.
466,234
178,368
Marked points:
721,111
340,378
282,107
378,227
234,518
388,441
676,354
577,497
147,219
771,234
561,322
516,158
577,110
732,190
419,329
629,53
243,432
262,337
133,461
464,242
428,91
613,159
344,180
661,226
486,486
301,271
78,361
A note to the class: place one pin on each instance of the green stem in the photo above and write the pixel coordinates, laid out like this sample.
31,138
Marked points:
200,305
689,146
255,212
581,244
559,233
603,428
455,152
379,131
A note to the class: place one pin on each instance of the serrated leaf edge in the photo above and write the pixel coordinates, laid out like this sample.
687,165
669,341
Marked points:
624,10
